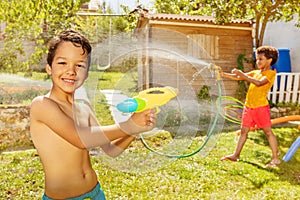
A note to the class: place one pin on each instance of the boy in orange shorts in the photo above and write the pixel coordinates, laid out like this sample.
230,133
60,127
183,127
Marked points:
257,109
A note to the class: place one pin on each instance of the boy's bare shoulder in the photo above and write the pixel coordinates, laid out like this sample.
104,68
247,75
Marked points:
42,104
37,99
41,101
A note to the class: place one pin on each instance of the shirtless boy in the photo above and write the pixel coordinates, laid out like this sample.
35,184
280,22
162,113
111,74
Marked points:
63,145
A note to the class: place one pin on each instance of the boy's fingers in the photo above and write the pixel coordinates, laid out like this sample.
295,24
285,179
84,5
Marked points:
151,117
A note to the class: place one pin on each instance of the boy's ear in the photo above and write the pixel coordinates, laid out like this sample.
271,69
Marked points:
270,60
48,69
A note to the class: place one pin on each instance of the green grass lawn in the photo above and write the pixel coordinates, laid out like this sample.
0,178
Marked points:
189,178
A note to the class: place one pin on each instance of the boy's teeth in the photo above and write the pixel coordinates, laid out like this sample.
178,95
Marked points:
68,80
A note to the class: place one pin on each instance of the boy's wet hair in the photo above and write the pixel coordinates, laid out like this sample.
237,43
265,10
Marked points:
269,52
69,35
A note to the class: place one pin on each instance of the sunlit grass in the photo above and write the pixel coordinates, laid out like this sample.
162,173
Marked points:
189,178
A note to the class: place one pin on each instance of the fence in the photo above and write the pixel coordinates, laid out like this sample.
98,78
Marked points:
286,88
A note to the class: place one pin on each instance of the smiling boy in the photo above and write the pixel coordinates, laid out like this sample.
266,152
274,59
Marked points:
257,110
61,143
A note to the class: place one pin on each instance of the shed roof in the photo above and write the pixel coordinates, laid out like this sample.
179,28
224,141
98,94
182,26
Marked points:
190,21
194,18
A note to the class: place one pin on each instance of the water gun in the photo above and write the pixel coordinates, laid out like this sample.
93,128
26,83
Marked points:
147,99
216,69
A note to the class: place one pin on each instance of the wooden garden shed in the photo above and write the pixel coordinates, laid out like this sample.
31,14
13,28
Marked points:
198,37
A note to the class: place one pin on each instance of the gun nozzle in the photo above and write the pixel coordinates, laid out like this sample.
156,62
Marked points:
173,90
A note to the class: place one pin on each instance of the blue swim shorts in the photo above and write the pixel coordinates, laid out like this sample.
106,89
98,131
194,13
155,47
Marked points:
96,194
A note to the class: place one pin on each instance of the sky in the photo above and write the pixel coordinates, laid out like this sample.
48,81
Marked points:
115,4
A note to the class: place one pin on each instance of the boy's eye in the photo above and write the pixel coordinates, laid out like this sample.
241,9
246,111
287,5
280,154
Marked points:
81,66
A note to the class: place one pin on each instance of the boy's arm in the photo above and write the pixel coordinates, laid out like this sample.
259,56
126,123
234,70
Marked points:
120,135
46,114
231,76
46,111
246,77
115,147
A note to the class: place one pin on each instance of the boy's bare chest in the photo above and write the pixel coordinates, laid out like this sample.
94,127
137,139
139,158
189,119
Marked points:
67,110
80,115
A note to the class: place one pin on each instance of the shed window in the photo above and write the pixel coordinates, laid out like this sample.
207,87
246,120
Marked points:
203,46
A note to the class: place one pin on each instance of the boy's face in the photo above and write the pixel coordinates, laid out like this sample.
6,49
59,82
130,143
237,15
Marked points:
262,62
69,67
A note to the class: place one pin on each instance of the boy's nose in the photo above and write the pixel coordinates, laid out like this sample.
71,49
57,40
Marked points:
72,69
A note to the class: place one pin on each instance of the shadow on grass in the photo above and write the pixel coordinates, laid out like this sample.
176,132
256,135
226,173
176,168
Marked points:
286,171
260,154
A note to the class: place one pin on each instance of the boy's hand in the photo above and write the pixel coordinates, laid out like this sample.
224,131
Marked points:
145,118
234,71
140,122
238,73
221,72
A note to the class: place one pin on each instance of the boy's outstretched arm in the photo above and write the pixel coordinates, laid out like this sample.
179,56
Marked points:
116,147
231,76
250,79
117,134
47,114
113,148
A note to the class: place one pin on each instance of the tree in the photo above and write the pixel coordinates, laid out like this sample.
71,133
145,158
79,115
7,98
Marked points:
38,20
259,11
35,21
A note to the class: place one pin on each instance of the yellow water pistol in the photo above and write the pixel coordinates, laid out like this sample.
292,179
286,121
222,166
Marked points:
216,69
147,99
